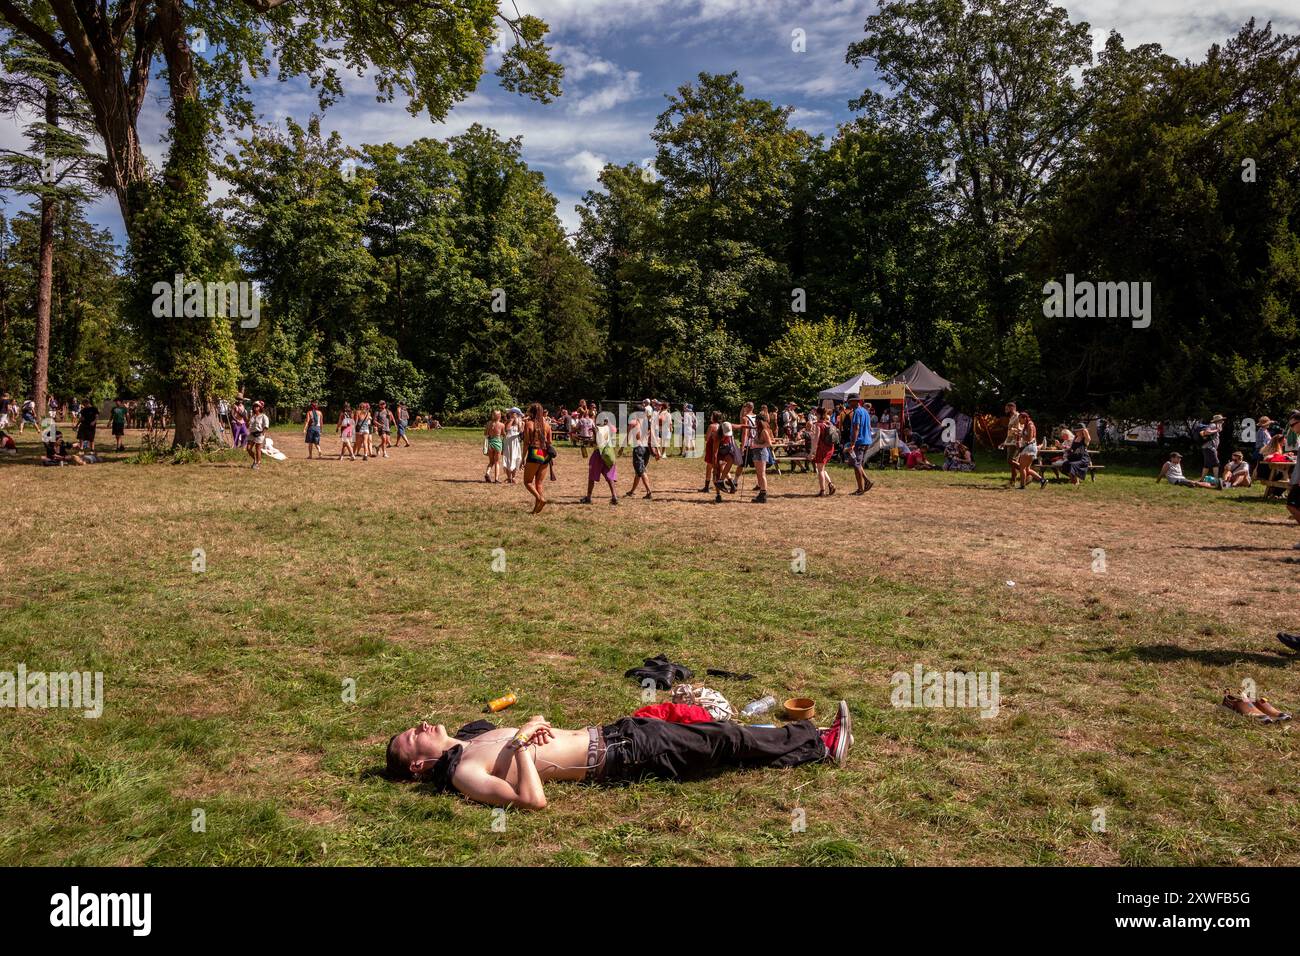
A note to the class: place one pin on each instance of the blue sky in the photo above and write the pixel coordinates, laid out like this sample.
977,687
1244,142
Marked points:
623,56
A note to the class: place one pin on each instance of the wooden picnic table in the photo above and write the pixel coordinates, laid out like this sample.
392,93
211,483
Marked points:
1046,461
782,449
1279,478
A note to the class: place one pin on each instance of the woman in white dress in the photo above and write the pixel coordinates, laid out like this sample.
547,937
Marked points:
512,454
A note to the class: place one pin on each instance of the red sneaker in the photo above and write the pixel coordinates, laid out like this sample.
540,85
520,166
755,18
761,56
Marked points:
838,737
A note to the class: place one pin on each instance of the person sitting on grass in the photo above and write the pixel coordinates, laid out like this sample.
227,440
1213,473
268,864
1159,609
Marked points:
1172,472
7,444
1236,473
957,457
60,452
510,767
914,458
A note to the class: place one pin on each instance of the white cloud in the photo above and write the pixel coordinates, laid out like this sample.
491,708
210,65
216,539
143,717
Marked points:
621,90
586,166
1182,29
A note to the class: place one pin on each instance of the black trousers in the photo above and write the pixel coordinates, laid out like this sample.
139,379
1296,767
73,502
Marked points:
637,747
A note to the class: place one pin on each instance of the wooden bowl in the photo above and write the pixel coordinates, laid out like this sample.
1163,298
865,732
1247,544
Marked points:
800,708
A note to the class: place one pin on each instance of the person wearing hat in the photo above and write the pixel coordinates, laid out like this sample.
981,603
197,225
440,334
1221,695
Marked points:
1263,435
1172,472
787,421
257,428
1209,433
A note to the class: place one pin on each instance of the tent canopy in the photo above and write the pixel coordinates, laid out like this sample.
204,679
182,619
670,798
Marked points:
846,390
921,380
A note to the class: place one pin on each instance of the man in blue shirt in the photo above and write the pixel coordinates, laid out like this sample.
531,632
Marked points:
859,442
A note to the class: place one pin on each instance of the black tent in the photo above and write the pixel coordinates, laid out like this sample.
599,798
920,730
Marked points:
926,407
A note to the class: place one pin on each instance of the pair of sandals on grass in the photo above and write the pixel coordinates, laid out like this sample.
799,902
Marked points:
1260,709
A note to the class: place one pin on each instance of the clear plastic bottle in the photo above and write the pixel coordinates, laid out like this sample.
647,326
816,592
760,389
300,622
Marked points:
756,707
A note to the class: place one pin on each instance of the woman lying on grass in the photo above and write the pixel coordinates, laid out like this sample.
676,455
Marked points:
509,767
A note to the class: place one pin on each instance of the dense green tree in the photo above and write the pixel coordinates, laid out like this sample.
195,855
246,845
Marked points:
809,357
297,210
1189,179
876,246
620,238
989,88
730,166
429,51
92,352
57,167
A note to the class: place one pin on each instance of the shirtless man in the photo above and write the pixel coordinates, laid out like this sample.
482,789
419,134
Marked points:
510,767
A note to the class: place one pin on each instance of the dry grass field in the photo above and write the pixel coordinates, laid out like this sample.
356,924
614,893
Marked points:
224,690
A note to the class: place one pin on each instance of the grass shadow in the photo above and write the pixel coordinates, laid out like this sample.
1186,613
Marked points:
1173,654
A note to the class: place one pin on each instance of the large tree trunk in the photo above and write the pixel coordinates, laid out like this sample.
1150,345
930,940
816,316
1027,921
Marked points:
44,284
44,281
194,402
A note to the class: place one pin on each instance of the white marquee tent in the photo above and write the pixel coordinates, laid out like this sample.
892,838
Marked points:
846,390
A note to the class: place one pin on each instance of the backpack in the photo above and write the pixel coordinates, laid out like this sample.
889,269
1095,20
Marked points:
832,434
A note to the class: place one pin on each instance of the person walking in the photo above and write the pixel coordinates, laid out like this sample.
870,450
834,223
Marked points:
238,423
825,438
311,429
403,421
383,428
688,433
859,441
711,450
536,442
493,444
117,423
639,438
603,463
257,429
762,454
1028,452
512,454
346,430
1013,441
364,423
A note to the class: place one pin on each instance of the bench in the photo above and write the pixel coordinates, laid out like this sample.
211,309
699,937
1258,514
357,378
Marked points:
1056,470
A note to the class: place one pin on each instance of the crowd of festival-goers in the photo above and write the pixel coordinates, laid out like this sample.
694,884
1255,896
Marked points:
520,447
